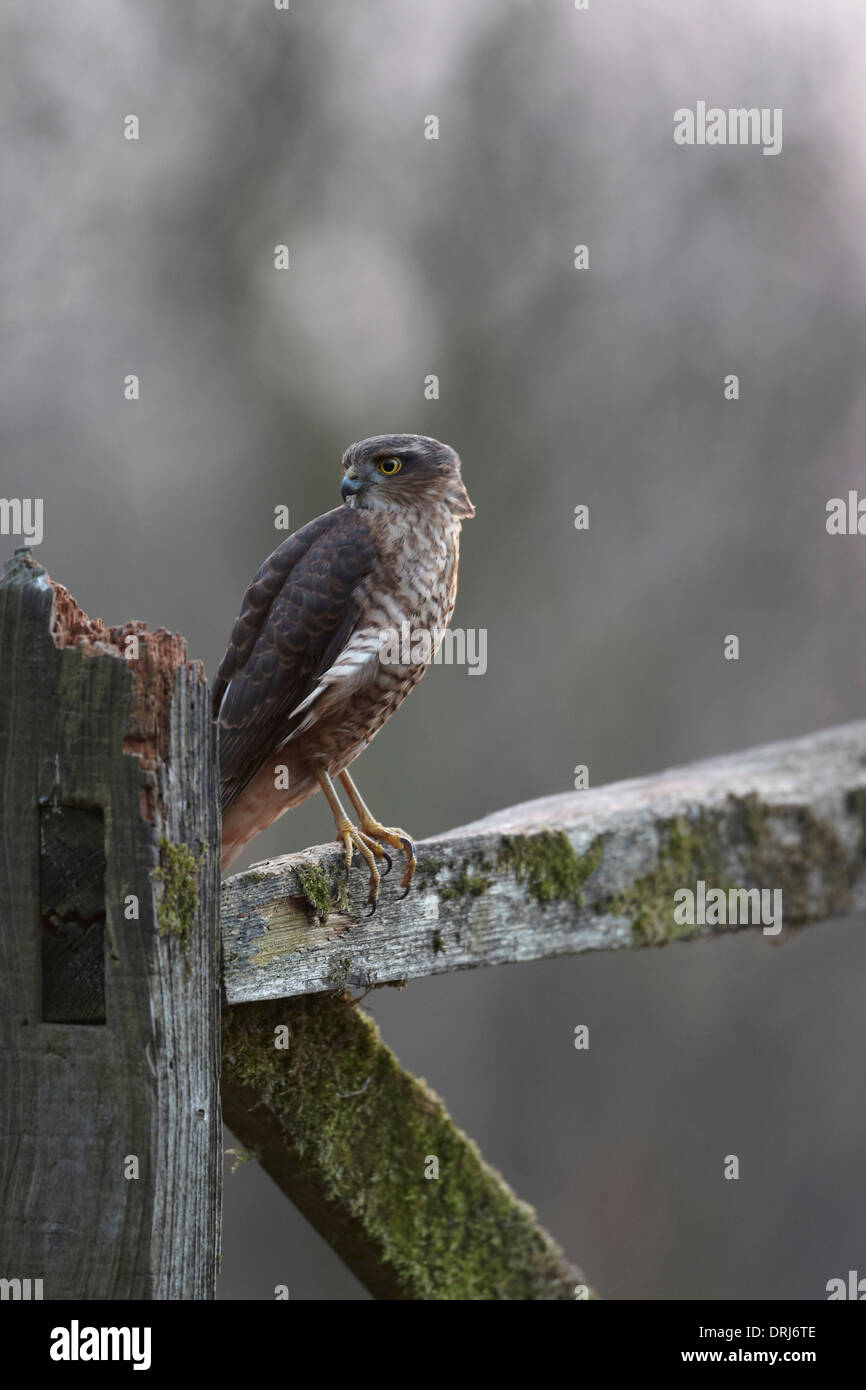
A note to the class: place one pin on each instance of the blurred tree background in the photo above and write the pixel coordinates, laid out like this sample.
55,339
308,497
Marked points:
558,387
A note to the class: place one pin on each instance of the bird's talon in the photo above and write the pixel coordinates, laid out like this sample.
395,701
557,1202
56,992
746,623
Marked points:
355,840
373,846
398,839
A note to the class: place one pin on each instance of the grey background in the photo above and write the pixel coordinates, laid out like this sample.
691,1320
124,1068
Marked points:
557,387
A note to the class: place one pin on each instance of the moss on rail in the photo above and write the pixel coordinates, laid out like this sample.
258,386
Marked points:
371,1156
771,846
549,864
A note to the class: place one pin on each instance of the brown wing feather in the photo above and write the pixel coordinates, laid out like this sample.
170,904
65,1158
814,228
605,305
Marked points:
296,617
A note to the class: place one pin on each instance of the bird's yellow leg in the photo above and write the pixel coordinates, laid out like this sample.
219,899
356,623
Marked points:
353,838
398,839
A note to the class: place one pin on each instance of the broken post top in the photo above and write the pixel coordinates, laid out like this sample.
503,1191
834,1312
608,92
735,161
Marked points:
152,658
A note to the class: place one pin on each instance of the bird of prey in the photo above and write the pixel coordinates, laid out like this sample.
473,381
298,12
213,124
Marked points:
309,676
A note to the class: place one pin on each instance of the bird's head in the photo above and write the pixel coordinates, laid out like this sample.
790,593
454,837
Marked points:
396,471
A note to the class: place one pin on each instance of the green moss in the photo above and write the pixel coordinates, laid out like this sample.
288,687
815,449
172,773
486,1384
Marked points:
438,943
357,1129
427,871
549,863
316,888
467,885
178,873
797,851
687,851
243,1156
855,805
746,843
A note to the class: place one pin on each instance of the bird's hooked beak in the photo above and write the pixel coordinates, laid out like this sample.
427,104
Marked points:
351,483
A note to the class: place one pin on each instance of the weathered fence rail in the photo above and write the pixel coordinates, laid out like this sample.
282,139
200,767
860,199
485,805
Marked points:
586,871
110,971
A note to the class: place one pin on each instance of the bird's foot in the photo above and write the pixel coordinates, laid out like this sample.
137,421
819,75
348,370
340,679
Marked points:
355,839
397,839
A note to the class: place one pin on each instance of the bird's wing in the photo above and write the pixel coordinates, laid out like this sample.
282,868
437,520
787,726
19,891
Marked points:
295,619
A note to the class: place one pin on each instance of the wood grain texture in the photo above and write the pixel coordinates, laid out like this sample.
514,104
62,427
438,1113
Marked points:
590,870
80,726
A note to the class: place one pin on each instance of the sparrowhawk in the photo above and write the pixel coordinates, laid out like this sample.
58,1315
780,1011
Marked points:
304,686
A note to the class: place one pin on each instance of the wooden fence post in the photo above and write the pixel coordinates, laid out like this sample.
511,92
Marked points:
109,955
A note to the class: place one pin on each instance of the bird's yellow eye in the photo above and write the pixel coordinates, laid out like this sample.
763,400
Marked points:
389,467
